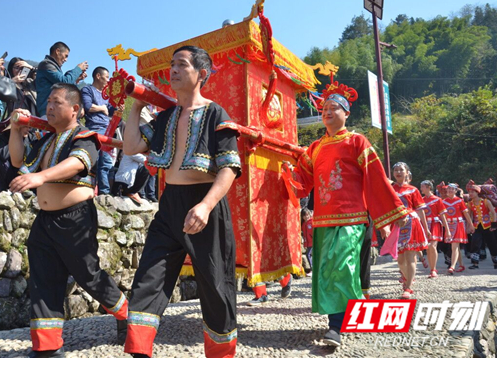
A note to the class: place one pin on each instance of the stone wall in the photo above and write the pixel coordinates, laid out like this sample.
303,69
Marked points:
121,235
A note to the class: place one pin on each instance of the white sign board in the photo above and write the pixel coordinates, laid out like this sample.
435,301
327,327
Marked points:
375,105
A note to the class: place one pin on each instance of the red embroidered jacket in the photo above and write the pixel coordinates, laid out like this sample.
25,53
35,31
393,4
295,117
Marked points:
455,209
434,208
348,179
410,197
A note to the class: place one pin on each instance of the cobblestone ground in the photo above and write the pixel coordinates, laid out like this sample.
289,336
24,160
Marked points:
283,328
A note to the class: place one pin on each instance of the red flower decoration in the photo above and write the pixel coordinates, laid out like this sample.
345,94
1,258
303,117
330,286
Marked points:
348,92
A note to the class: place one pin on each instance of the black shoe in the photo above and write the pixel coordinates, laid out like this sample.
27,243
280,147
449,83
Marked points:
332,337
287,289
59,353
140,356
121,331
473,267
257,301
152,199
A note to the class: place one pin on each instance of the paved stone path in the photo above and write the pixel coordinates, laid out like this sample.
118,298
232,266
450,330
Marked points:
284,328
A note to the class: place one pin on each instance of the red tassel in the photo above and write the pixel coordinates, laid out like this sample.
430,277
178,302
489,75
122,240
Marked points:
152,170
265,105
289,182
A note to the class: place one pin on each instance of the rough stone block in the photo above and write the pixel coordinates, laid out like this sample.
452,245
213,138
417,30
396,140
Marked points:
19,286
19,237
19,200
4,287
120,238
14,263
3,260
104,220
137,222
75,306
6,201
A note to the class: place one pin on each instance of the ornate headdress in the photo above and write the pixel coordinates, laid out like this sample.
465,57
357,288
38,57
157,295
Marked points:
349,93
441,188
471,185
342,101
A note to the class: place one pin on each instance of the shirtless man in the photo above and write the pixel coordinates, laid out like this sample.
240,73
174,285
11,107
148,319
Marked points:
62,241
201,161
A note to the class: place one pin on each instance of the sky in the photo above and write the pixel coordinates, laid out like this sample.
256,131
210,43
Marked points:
90,27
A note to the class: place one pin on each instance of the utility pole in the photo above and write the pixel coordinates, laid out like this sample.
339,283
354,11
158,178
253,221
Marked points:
375,7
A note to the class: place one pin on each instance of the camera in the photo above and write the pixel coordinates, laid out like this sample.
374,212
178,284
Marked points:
25,72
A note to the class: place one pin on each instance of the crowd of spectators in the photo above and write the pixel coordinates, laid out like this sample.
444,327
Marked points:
117,174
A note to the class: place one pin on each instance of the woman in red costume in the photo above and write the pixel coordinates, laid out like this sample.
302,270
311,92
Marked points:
435,212
456,211
412,237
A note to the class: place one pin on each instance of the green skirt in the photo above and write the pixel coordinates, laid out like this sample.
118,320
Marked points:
336,266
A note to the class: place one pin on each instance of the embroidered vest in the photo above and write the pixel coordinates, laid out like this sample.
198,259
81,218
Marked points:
209,146
481,214
78,142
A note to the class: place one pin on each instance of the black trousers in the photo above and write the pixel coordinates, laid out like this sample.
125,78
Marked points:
141,178
482,237
365,264
212,253
63,243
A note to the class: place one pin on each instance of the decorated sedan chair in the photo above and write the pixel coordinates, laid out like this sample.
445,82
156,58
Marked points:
255,79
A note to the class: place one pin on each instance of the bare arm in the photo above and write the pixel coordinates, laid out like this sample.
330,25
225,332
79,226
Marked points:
63,170
16,140
442,216
98,109
132,141
423,220
493,214
197,217
467,214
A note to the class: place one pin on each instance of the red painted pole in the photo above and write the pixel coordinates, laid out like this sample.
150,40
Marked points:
42,124
141,92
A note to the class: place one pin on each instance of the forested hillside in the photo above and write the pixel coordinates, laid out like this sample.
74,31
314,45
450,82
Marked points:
443,86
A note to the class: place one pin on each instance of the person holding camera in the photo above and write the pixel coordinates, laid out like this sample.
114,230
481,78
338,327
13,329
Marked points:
50,73
23,74
20,73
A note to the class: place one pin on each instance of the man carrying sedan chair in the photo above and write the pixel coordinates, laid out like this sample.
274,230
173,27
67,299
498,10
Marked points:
62,241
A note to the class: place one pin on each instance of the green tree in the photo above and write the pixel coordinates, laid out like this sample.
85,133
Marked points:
451,139
442,78
359,27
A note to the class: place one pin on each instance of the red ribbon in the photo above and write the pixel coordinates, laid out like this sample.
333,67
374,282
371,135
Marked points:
152,170
289,183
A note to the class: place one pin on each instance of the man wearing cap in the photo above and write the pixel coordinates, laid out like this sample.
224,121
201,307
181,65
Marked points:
484,220
348,180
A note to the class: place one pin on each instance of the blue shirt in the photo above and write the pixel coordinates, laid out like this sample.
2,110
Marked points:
48,74
95,121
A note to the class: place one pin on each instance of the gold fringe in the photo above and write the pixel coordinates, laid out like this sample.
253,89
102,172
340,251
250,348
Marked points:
267,160
242,272
273,275
187,270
